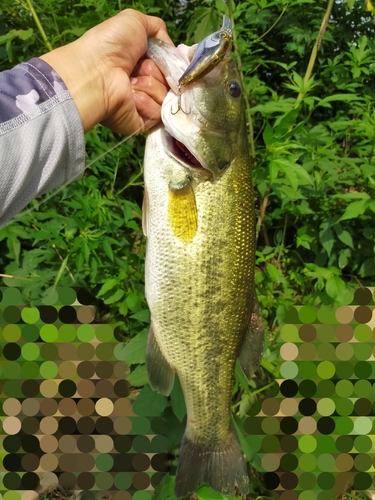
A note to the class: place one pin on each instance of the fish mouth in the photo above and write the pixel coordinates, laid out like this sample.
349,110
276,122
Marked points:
181,153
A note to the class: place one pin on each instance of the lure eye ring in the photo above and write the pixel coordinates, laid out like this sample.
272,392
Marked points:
224,34
234,88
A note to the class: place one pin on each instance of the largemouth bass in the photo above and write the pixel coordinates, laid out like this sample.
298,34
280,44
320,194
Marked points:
198,217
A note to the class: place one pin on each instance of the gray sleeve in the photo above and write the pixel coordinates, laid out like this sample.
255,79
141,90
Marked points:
41,135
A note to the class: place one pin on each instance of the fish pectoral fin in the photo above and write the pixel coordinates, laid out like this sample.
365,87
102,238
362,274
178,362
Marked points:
145,205
252,347
160,373
182,211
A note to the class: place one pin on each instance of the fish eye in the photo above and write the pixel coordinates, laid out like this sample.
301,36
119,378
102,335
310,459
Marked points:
234,88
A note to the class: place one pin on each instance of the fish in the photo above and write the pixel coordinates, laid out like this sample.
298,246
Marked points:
198,219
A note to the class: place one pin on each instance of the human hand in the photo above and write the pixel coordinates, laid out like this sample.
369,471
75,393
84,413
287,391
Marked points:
107,77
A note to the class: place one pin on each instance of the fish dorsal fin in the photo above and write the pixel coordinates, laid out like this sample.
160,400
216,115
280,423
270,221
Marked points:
182,212
252,346
145,206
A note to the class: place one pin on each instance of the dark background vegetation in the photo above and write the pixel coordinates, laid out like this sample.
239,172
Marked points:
311,138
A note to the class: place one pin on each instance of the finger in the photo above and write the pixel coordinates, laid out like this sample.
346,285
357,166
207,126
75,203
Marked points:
147,108
146,67
132,124
150,86
157,28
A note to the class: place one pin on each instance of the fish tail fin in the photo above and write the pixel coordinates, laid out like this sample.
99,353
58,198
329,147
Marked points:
220,465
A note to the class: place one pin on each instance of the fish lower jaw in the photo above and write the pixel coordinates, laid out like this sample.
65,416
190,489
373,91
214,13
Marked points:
181,153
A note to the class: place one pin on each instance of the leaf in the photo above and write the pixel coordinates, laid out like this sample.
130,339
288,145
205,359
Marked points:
108,285
274,171
143,316
207,493
326,238
244,444
340,97
108,249
351,196
149,403
133,301
286,122
292,177
25,34
344,258
22,34
165,489
205,26
275,275
241,378
335,287
135,351
262,188
123,308
268,134
75,31
371,206
301,172
221,7
367,268
344,235
138,377
298,80
178,400
293,171
354,209
115,297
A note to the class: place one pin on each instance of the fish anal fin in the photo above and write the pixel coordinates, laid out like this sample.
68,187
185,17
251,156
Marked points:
145,207
160,373
252,347
182,212
221,465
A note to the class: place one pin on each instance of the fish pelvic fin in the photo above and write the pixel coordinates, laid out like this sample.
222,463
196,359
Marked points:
252,346
221,465
160,373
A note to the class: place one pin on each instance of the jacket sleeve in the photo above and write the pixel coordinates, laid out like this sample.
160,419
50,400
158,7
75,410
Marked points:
41,135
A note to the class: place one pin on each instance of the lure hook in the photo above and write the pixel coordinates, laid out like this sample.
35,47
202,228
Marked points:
179,104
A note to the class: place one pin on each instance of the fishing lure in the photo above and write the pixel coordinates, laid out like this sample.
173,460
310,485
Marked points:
209,53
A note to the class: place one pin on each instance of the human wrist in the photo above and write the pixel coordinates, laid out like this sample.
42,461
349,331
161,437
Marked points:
83,79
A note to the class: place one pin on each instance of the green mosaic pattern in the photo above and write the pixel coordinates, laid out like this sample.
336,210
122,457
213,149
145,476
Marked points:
317,435
64,416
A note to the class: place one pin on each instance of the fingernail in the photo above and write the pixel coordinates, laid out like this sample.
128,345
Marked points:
133,81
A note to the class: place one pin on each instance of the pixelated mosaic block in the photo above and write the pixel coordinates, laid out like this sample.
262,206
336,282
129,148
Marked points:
315,439
64,416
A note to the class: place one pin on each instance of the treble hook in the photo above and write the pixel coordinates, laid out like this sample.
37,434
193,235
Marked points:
179,104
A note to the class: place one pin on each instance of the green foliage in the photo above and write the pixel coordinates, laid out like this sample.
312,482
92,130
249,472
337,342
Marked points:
312,141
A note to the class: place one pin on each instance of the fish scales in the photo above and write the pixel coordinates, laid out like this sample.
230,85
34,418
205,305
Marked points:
199,223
